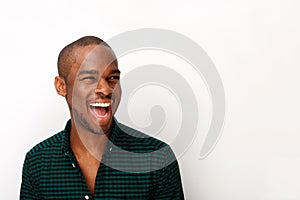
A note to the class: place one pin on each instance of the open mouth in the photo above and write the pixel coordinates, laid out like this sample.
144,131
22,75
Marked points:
101,110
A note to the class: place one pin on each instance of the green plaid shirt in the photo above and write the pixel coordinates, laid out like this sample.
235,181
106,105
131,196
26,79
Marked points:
134,166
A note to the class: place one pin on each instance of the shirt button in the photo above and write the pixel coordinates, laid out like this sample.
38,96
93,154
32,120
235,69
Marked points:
86,197
73,165
110,149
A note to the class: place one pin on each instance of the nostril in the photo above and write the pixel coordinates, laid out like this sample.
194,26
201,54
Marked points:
103,92
97,90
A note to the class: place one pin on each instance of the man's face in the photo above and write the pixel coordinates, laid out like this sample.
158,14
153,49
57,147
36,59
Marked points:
93,88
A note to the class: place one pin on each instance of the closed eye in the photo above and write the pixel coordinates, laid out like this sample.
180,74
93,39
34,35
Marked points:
88,78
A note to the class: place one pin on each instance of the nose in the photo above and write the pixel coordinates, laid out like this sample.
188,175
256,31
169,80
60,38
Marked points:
103,88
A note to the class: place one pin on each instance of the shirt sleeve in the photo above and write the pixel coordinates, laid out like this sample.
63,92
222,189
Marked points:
27,187
169,185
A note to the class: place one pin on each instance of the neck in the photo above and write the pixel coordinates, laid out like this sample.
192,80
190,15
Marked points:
85,143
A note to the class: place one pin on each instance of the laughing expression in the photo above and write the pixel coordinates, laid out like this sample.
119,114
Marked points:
93,88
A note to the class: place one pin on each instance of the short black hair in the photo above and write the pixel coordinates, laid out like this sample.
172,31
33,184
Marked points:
66,58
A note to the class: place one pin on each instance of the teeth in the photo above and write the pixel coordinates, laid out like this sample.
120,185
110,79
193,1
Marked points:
99,104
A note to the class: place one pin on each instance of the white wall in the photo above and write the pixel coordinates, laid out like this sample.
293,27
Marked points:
253,43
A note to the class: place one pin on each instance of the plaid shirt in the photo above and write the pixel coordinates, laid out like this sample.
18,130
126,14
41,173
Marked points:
134,166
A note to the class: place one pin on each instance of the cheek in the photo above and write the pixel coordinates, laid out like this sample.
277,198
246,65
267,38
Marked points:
79,95
117,92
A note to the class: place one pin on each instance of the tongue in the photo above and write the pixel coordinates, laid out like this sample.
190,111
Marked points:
100,111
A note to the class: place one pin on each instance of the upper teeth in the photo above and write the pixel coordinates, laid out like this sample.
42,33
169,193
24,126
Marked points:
100,104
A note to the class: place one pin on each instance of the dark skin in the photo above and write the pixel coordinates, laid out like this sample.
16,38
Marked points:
92,79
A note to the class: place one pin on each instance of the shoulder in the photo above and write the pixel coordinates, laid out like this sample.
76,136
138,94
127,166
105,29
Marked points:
144,152
51,144
135,140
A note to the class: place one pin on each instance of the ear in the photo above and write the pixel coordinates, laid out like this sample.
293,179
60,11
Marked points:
60,86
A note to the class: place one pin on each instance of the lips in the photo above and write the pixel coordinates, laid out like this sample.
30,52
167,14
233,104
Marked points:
101,110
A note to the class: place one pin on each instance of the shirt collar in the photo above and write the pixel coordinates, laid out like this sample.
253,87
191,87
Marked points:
66,147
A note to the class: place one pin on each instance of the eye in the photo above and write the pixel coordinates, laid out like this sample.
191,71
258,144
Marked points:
114,78
89,78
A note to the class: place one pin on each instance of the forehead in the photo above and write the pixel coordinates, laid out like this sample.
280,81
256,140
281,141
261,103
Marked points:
93,57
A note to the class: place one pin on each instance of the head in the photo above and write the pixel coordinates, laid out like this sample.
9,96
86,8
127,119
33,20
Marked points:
89,80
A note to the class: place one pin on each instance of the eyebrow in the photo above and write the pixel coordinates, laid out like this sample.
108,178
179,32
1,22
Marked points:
97,72
88,72
115,71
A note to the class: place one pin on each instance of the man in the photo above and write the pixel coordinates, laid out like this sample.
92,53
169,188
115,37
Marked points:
95,156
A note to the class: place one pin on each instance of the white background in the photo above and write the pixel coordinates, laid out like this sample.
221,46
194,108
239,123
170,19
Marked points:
253,43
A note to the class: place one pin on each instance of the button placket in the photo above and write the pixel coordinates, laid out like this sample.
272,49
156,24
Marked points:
67,153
